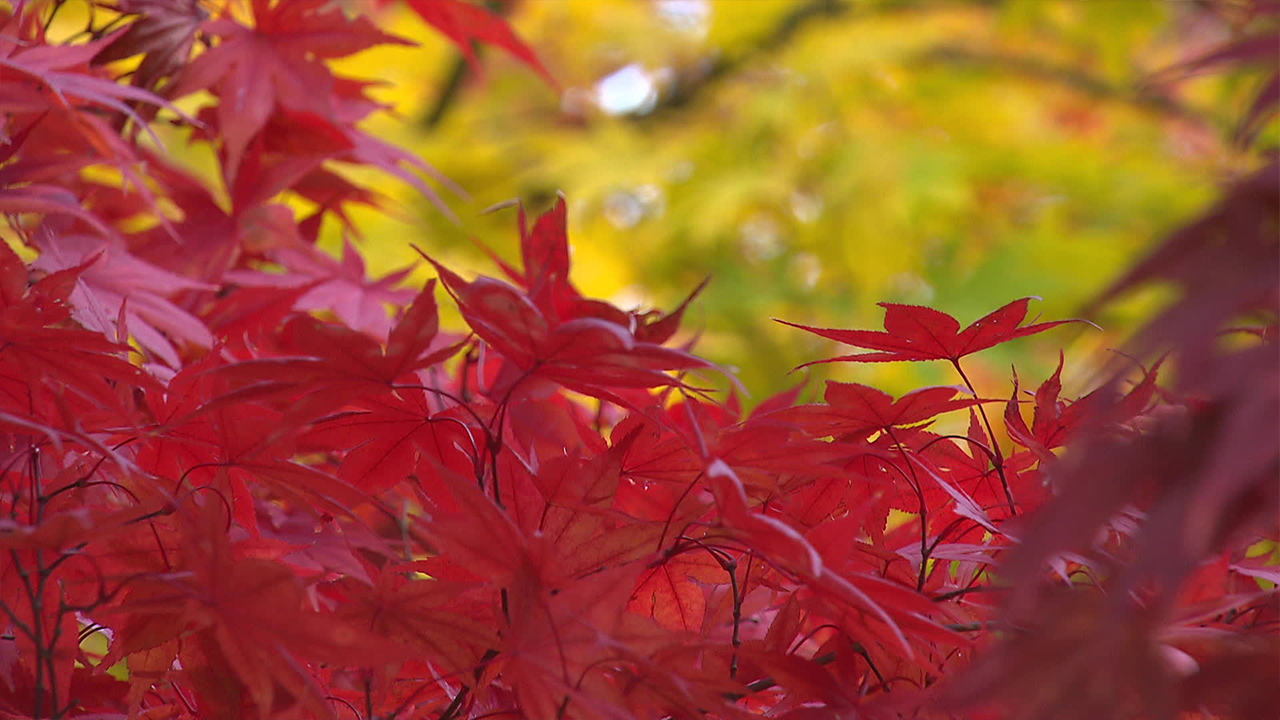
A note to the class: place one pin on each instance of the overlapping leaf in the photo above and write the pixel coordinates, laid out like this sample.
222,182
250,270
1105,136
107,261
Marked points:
853,408
586,354
277,62
325,510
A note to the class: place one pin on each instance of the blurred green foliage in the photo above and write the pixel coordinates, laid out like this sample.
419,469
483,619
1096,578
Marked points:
818,156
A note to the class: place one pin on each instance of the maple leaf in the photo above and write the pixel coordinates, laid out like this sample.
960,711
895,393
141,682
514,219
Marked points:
972,472
666,593
387,433
324,365
567,505
58,76
368,150
275,63
786,548
164,34
211,239
217,515
853,408
585,354
21,190
339,286
557,637
472,531
244,623
465,23
23,177
544,252
291,145
45,635
1235,238
47,365
243,315
330,192
915,333
200,440
429,615
1056,421
115,284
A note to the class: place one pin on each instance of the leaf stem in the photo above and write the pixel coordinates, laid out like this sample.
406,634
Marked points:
995,446
732,568
914,481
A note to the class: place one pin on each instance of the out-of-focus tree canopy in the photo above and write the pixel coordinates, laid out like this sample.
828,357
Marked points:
816,156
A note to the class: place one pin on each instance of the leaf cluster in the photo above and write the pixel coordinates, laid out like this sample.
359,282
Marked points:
233,486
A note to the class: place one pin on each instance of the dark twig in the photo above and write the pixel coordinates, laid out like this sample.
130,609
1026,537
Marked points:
456,76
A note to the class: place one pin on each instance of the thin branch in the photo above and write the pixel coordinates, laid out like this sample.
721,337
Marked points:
991,435
687,87
1145,97
457,74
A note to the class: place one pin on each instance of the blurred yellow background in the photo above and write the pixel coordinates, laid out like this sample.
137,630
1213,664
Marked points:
815,157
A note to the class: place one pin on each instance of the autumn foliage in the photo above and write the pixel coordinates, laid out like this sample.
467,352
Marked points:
234,486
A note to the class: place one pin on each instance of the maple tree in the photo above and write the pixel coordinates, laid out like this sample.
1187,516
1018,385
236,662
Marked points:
234,486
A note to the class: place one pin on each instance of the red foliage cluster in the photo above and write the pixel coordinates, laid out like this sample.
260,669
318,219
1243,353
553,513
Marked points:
272,500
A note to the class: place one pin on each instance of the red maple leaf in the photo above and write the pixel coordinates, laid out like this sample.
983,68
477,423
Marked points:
426,614
164,33
1056,420
917,333
244,624
21,186
544,252
116,285
41,76
51,371
339,286
277,62
666,591
387,433
589,355
465,23
854,408
324,365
